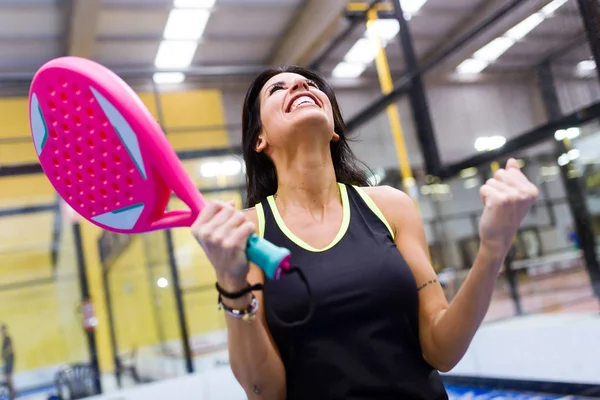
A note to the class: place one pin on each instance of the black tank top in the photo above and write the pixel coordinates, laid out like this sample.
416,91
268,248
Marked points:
362,341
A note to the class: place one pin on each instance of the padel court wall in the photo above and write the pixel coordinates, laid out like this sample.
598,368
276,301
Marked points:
41,305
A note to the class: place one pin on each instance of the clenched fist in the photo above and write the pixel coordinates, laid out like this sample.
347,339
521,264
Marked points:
223,233
507,197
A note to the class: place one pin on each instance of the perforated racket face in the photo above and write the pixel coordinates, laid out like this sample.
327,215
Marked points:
89,151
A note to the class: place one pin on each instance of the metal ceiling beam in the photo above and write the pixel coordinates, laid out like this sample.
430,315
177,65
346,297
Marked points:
354,34
147,72
211,38
403,84
82,27
573,43
535,136
462,24
348,31
311,27
10,212
221,5
447,12
35,168
25,40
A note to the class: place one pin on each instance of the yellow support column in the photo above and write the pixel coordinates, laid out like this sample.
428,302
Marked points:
385,80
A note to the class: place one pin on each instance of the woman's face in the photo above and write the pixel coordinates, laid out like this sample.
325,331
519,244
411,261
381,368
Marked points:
293,108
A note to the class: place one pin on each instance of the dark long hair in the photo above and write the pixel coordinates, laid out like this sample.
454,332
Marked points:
261,177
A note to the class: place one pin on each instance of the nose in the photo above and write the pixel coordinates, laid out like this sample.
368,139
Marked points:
299,84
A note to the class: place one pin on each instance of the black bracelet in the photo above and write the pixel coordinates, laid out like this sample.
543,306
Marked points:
237,295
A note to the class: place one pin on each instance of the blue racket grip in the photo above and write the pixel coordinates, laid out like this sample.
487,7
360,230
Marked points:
273,260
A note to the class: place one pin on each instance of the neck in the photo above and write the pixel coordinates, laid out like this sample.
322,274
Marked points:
306,178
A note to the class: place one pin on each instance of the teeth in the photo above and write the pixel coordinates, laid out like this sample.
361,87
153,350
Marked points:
301,101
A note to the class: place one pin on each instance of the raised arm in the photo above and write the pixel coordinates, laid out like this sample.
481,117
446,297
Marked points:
223,232
446,330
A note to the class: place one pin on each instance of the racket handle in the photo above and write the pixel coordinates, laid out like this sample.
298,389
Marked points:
174,219
273,260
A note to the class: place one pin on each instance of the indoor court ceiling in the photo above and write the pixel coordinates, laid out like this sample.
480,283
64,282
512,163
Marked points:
240,36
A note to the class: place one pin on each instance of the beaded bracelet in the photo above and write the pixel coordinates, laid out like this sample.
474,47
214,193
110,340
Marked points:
247,314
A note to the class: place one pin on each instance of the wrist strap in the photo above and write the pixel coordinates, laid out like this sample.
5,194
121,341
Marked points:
311,302
237,295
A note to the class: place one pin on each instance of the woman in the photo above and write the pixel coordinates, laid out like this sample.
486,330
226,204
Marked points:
381,327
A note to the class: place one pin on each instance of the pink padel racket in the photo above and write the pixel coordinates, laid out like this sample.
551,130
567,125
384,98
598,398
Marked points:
108,158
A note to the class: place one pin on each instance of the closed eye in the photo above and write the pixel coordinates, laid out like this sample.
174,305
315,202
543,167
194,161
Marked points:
275,88
279,85
312,83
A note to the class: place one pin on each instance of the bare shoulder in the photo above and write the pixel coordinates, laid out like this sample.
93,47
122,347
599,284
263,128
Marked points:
388,198
395,205
385,194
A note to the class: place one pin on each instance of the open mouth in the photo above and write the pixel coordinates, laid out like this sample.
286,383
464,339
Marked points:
302,100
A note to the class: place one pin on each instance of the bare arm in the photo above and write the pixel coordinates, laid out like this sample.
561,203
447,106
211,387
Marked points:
446,330
253,355
223,233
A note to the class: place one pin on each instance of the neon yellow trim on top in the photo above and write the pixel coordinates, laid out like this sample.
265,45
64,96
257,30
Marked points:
374,208
290,235
260,215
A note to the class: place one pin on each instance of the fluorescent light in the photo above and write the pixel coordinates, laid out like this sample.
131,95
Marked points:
194,3
471,183
489,143
162,282
211,169
383,29
364,51
551,7
412,6
468,173
186,24
346,70
572,133
168,77
231,167
573,154
175,54
520,30
493,50
471,66
563,160
550,170
586,66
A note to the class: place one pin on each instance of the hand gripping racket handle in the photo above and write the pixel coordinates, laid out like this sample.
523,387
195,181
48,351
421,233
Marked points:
273,260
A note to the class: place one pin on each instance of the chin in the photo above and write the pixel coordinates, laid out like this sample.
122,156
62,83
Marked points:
313,118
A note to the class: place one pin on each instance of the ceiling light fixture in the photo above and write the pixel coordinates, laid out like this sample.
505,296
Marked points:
493,50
